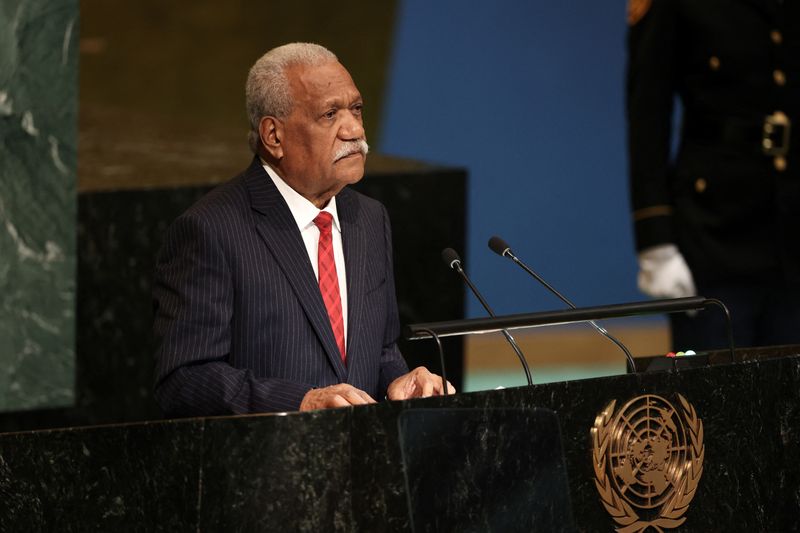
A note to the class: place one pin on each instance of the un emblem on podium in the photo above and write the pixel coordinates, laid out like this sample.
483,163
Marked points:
648,459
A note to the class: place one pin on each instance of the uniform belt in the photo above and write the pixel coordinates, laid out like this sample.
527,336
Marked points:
772,136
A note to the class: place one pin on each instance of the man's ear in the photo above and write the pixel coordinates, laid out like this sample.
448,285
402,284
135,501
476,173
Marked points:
270,129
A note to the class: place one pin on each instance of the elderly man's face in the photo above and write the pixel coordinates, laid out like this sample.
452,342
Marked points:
321,152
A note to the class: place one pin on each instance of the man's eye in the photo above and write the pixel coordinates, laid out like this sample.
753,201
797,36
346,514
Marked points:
358,108
330,114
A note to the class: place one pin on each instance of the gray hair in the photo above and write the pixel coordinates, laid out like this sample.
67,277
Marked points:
267,90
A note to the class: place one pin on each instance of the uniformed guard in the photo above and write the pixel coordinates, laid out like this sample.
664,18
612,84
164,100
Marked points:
717,213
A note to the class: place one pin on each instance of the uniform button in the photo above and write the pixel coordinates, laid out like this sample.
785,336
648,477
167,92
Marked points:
779,77
700,185
776,36
713,62
780,163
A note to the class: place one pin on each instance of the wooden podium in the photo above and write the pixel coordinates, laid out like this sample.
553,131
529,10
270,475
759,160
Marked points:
705,445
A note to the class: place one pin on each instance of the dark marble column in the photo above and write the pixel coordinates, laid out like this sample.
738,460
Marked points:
38,132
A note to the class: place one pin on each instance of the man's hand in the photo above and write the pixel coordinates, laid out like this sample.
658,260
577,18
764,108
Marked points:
663,273
341,395
419,383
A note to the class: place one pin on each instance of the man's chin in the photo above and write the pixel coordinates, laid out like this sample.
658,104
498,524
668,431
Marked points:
350,169
350,179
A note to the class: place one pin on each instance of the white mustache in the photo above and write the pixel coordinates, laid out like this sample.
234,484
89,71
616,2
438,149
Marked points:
351,147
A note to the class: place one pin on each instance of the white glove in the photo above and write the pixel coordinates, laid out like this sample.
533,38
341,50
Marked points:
663,273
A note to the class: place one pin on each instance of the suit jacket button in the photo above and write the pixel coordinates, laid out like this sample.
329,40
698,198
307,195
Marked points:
779,77
700,185
780,163
776,37
713,62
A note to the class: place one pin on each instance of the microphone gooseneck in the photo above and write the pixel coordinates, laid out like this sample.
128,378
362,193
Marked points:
501,248
453,260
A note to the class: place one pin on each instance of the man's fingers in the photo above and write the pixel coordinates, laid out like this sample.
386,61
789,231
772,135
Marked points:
337,400
419,383
410,385
342,395
352,395
437,385
366,397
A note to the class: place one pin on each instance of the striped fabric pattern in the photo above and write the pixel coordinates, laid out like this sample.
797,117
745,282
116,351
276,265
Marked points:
239,317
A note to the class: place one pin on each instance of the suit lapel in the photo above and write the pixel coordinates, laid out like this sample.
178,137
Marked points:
354,248
278,229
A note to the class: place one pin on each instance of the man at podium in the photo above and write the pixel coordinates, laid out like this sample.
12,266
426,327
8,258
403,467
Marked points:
275,292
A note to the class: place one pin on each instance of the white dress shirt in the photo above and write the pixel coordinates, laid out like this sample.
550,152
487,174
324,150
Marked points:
304,213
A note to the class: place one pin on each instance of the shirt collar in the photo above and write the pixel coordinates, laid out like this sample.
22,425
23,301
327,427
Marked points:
303,211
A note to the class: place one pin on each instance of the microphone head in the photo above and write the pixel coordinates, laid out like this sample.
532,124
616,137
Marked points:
451,257
499,246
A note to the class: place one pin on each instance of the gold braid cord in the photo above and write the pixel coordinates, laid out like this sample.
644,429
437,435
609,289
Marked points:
671,513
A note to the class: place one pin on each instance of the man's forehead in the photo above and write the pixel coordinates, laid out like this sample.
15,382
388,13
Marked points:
328,80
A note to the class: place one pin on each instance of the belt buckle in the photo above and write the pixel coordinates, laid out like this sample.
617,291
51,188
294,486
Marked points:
775,134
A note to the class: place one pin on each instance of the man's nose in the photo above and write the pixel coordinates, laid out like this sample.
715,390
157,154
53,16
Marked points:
352,128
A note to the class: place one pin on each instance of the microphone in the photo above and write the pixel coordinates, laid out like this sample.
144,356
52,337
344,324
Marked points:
453,261
501,248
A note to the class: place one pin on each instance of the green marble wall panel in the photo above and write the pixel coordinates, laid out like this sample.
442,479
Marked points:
38,136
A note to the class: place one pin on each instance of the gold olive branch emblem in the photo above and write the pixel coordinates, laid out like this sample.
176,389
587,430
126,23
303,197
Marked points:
687,476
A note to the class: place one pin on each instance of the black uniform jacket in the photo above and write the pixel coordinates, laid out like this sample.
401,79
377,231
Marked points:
728,192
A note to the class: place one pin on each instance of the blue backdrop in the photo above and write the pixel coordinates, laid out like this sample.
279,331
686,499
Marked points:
528,95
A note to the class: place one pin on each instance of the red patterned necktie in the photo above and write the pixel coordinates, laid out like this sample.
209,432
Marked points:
328,279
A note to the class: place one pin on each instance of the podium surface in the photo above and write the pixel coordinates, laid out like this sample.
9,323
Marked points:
343,470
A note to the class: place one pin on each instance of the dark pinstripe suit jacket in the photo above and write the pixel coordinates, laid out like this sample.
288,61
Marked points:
240,320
